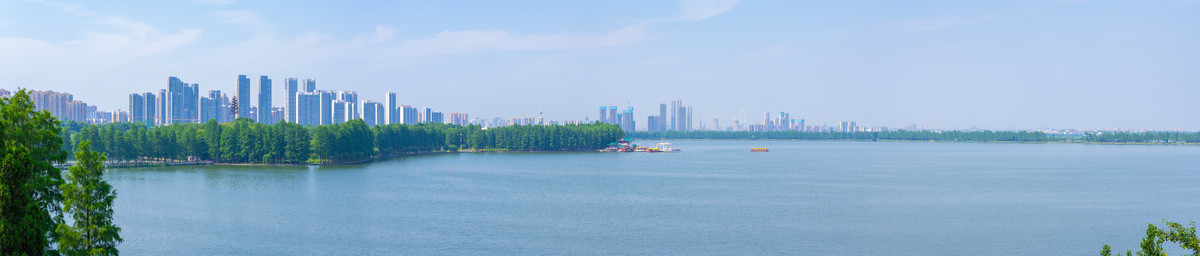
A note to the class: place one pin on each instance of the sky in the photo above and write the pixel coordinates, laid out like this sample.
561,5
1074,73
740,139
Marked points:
1019,64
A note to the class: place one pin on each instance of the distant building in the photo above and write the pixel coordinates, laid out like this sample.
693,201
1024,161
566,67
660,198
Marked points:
243,97
392,116
408,115
351,99
603,114
371,112
327,98
137,107
426,115
339,111
626,118
264,101
308,110
459,119
291,87
436,117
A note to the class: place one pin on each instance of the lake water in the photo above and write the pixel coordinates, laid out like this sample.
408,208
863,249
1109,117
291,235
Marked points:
714,198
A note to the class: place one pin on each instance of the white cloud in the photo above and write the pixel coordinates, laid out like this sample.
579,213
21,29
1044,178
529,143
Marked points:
247,18
694,10
918,25
117,37
310,38
215,2
382,34
73,8
475,41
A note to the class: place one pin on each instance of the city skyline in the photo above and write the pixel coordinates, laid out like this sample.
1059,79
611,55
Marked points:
991,65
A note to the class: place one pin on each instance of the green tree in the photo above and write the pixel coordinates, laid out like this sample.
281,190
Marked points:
1151,245
88,199
29,192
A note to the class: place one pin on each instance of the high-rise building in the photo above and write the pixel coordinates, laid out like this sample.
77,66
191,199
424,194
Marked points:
426,115
61,105
310,85
674,118
408,115
371,112
603,114
651,120
626,118
162,103
612,115
339,111
350,98
182,102
459,119
662,117
264,101
278,113
767,120
308,108
175,100
150,109
211,107
243,97
436,117
137,108
327,98
390,113
291,87
208,109
688,124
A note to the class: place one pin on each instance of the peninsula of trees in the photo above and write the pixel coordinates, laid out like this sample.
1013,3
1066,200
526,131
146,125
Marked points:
244,141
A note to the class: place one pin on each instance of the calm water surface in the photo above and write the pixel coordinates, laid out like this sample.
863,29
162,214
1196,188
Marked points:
714,198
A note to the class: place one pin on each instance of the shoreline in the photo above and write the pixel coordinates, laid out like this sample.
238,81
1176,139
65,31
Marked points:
949,141
381,158
372,159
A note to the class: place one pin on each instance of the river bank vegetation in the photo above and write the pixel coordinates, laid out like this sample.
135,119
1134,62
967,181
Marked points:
1152,244
945,136
34,196
244,141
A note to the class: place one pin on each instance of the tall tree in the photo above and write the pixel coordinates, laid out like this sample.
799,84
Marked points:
29,192
88,199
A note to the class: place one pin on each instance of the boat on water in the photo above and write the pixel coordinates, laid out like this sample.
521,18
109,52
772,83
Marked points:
759,150
664,147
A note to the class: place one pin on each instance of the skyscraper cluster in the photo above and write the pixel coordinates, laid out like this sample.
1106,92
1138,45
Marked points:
179,103
676,118
304,104
64,107
609,115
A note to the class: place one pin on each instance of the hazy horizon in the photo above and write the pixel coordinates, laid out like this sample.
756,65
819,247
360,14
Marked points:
941,65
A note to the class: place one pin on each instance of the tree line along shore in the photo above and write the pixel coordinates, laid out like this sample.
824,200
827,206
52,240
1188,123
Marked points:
244,141
1180,138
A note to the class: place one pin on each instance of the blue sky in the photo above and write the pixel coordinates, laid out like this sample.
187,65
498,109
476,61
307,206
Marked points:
939,64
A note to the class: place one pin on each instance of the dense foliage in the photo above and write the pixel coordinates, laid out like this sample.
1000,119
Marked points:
1152,244
1022,136
244,141
1143,137
88,199
29,183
